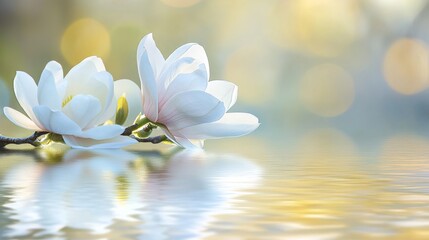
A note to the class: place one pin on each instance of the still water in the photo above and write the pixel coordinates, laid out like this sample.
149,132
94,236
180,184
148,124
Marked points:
308,193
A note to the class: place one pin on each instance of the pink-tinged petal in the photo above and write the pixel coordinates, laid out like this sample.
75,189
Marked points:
82,109
191,108
102,132
190,144
147,46
149,64
85,143
195,80
56,121
26,93
133,96
169,135
224,91
20,119
47,93
181,141
230,125
189,50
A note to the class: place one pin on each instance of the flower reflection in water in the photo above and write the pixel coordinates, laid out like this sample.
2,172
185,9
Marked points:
183,195
154,196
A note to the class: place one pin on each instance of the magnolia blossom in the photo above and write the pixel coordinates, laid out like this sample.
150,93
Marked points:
178,97
75,106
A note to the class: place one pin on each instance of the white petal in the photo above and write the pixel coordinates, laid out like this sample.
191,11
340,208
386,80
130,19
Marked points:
195,80
230,125
83,70
224,91
56,121
134,98
60,83
149,64
190,144
47,93
26,93
189,50
102,132
178,139
85,143
20,119
191,108
148,47
55,69
82,109
82,79
108,102
99,85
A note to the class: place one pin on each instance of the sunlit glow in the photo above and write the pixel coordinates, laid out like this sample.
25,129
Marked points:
327,90
406,66
323,27
396,14
325,145
83,38
180,3
405,152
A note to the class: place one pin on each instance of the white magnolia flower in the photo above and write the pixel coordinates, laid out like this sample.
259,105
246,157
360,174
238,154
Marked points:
178,96
75,106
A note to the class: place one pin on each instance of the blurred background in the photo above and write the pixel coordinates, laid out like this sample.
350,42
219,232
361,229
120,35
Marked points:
325,72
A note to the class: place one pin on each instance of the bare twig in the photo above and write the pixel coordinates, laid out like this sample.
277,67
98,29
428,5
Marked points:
129,130
154,140
28,140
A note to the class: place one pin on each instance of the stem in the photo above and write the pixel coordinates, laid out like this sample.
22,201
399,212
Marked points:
129,130
154,140
28,140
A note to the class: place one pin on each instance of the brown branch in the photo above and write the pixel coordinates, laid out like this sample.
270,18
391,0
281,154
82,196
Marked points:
129,130
154,140
28,140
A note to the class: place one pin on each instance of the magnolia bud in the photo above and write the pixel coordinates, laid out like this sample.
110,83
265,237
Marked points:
121,110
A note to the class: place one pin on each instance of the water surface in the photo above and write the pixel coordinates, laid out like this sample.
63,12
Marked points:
313,192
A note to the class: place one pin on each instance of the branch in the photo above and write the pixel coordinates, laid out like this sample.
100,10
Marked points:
129,130
154,140
28,140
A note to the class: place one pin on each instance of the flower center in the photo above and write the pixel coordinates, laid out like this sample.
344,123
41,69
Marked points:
67,100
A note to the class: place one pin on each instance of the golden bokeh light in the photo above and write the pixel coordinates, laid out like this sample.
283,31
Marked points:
322,28
406,66
83,38
180,3
327,90
253,70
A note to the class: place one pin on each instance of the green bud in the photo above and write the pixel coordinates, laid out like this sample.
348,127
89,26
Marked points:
56,137
143,133
121,110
